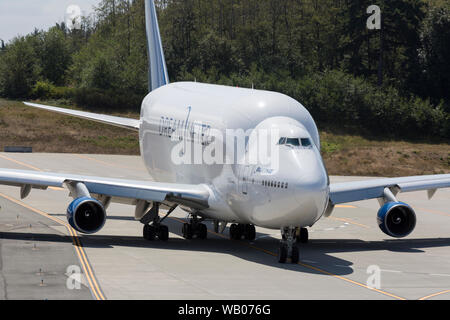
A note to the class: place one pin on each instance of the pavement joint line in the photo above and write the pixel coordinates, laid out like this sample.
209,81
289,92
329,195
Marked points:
95,289
350,221
434,211
103,162
305,265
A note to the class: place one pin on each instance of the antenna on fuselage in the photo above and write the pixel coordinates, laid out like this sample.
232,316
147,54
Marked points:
157,73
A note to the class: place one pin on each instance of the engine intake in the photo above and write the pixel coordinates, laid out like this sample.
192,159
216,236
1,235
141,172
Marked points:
396,219
86,215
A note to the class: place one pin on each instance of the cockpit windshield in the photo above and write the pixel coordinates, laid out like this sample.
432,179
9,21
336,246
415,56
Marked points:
306,142
295,142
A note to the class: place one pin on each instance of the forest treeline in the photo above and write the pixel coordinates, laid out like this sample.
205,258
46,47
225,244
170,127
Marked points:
389,83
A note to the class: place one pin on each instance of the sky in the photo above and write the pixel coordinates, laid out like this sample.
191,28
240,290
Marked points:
20,17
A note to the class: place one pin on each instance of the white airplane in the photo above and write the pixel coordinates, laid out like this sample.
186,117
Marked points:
291,198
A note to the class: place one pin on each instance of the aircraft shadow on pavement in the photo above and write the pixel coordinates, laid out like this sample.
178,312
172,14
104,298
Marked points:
317,253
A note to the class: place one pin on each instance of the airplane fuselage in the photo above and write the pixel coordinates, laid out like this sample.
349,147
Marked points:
181,118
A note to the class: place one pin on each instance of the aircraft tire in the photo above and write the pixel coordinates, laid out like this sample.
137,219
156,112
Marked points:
303,236
250,232
282,253
149,232
187,231
234,232
202,231
295,255
163,233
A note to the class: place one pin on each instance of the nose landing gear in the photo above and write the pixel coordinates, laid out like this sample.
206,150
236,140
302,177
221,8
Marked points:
302,235
288,247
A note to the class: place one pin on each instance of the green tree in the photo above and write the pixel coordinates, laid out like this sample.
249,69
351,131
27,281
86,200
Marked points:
19,68
435,53
55,56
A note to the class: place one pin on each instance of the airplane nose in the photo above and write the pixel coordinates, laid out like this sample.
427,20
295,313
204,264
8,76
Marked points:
311,189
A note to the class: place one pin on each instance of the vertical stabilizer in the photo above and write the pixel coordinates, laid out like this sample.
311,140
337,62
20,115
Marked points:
157,76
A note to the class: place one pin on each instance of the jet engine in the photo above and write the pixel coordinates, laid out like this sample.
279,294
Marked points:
396,219
86,215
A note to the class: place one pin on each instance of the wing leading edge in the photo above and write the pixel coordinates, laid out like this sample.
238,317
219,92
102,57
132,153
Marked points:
373,189
193,196
131,124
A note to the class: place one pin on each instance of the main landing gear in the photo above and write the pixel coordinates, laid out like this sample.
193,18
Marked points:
194,229
153,227
151,232
239,231
288,247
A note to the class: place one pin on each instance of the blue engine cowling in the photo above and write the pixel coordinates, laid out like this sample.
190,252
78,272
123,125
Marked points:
396,219
86,215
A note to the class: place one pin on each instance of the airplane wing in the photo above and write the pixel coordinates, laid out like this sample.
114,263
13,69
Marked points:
123,191
131,124
375,189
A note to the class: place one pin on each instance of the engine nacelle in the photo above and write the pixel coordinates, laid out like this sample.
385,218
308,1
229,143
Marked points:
396,219
86,215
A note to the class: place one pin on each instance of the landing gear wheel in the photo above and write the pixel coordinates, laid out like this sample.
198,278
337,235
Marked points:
295,257
303,237
234,232
187,231
282,253
149,232
202,231
250,232
163,233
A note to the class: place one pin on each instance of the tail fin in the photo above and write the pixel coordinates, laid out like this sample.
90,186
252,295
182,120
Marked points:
158,75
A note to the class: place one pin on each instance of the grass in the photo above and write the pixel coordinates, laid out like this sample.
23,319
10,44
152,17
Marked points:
358,156
54,133
343,154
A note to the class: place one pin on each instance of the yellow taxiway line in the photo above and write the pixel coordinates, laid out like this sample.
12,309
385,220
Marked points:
20,163
95,288
93,284
434,295
305,265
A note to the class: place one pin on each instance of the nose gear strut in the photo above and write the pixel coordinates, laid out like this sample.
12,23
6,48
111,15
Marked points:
288,247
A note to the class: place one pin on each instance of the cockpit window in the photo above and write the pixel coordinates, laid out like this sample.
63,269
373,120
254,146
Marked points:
306,142
295,142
